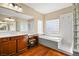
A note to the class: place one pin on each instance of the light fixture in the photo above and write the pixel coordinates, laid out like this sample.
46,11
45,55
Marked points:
9,19
20,9
10,5
16,7
13,6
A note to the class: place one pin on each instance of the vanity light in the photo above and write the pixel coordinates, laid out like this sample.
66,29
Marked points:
16,7
13,6
10,4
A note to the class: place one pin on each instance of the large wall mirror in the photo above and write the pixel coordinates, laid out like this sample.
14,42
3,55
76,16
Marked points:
12,19
16,24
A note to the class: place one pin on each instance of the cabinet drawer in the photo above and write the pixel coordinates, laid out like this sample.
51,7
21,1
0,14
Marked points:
14,38
4,39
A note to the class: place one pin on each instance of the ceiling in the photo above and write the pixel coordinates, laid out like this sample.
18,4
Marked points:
45,8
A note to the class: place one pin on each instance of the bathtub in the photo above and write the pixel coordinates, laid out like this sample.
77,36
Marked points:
54,42
51,38
50,41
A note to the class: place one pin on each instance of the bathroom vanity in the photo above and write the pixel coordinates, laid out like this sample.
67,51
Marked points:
12,45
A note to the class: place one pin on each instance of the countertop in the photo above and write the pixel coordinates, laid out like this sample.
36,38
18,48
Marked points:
13,33
10,34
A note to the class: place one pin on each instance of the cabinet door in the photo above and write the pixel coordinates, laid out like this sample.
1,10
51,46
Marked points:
5,48
12,46
0,47
22,41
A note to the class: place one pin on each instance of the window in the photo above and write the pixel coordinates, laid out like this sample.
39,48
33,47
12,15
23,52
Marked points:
52,26
40,27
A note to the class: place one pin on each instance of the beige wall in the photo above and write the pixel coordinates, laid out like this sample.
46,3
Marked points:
57,14
36,24
44,23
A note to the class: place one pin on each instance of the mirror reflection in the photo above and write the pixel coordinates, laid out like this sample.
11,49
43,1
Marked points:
16,24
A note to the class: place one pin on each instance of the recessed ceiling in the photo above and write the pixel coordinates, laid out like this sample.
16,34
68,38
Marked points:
45,8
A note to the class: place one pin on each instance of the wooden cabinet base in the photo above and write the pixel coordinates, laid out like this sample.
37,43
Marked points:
13,45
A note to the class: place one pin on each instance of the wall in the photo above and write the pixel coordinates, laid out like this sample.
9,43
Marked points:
44,23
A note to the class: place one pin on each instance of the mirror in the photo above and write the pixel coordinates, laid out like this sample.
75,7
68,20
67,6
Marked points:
3,26
7,23
16,24
31,26
11,20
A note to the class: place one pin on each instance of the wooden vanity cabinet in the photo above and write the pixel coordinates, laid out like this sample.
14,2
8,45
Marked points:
4,46
0,47
7,46
22,43
13,45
